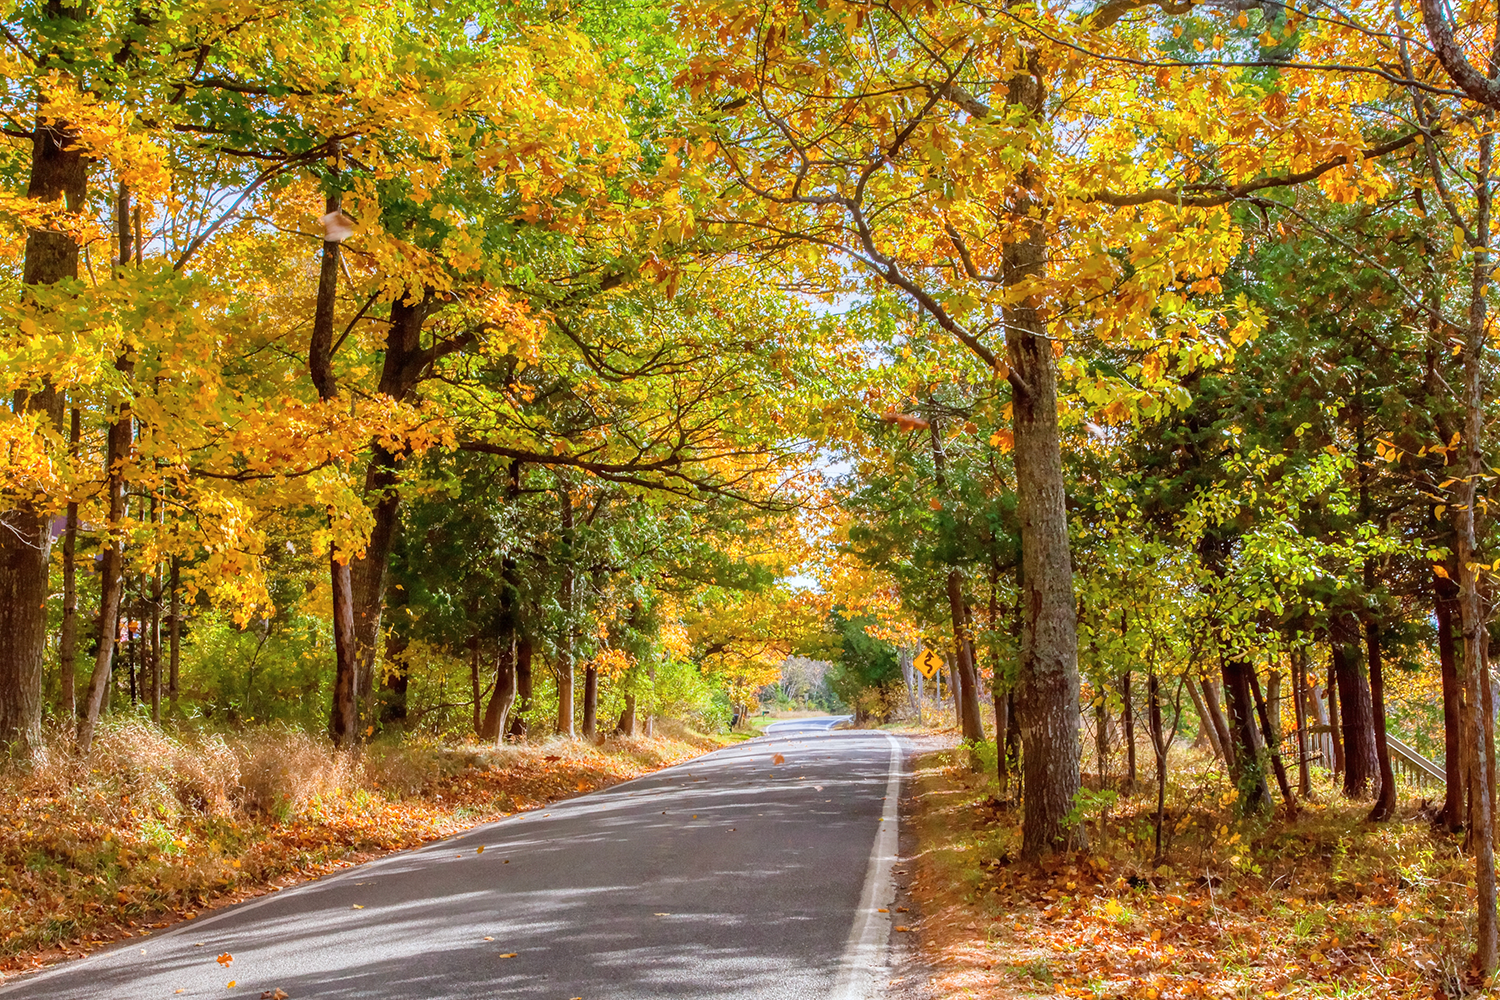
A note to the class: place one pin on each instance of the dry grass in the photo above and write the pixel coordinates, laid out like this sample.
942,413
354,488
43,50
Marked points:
1325,906
153,825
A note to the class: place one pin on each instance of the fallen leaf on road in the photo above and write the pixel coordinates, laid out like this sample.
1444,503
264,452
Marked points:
661,914
489,939
480,849
509,954
903,928
884,910
358,907
225,958
778,759
230,985
276,994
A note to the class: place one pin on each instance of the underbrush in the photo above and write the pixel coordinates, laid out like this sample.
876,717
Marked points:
154,825
1326,905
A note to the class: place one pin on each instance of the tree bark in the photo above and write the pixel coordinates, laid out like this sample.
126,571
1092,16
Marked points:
59,172
1299,706
1273,751
1249,775
174,635
1216,718
966,681
503,698
1445,608
1334,715
343,717
117,450
1206,728
1385,799
626,725
403,367
67,644
1127,717
1361,765
523,687
563,665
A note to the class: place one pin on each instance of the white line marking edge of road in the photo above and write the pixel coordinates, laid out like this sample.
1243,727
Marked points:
865,951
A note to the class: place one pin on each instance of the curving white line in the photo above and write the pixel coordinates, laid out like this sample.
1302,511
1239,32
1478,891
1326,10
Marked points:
865,950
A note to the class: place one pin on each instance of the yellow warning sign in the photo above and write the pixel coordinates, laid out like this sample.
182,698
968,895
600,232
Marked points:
929,663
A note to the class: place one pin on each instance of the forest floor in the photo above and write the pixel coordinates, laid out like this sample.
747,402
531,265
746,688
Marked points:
154,827
1327,905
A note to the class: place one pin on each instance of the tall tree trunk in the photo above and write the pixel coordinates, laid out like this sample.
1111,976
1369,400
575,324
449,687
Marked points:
343,717
402,369
1127,715
523,687
497,713
1159,748
1101,736
1385,800
155,632
1361,765
476,693
1206,729
1047,688
563,666
174,635
1249,775
1334,714
1273,751
966,681
67,645
626,725
1299,706
590,701
395,680
1002,722
1215,705
117,450
1445,608
59,172
1465,514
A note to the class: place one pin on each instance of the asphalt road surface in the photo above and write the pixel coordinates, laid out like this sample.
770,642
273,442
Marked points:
729,876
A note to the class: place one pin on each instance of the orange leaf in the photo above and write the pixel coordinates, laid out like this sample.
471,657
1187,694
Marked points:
225,958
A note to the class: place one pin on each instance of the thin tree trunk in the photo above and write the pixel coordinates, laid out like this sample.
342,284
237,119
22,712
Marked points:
343,718
1216,719
563,666
112,567
1274,751
1334,714
1101,736
1299,706
477,696
590,702
59,172
1002,723
156,595
67,645
1206,728
1127,714
174,635
1385,800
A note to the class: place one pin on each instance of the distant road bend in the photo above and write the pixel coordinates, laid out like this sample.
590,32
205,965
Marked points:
729,876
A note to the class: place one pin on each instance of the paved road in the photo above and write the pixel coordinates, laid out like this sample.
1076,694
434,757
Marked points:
726,876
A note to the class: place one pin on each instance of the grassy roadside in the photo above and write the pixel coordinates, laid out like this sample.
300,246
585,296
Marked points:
1324,906
154,827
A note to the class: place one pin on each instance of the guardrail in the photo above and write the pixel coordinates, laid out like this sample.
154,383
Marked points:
1405,761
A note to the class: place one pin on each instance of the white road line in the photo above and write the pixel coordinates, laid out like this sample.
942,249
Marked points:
865,951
